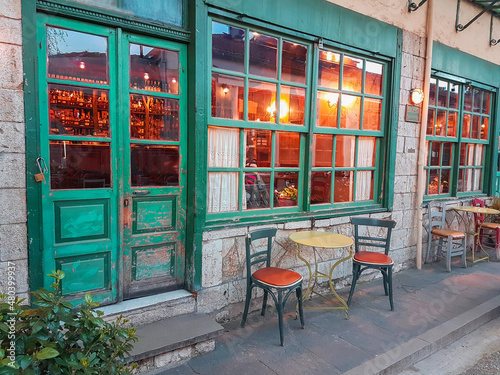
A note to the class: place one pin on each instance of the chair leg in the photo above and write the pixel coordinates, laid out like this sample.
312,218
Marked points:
464,254
384,278
429,244
355,275
264,304
389,281
449,245
279,306
247,305
299,299
497,242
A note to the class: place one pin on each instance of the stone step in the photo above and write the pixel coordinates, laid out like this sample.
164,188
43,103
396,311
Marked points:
145,310
167,342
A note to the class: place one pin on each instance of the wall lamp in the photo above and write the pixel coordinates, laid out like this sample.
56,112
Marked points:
417,96
225,88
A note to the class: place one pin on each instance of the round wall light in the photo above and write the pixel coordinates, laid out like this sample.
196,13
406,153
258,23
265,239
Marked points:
417,96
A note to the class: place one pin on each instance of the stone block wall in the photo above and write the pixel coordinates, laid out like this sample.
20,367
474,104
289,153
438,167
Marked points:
13,235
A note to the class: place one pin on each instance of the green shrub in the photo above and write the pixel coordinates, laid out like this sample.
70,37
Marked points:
54,337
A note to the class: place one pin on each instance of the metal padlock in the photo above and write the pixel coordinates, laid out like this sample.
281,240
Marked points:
39,177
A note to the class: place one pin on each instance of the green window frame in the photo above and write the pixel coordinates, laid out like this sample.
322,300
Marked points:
357,145
458,138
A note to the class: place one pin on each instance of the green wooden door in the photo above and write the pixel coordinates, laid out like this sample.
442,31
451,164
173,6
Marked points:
112,202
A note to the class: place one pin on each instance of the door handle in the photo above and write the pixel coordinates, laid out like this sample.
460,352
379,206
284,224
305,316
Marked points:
141,192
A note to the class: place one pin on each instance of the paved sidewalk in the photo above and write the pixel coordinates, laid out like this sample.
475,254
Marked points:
433,308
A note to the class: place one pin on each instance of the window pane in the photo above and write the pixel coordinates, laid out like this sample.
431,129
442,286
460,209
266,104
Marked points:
479,155
344,151
445,181
228,47
352,79
287,149
468,99
374,78
486,103
443,94
436,154
433,185
222,192
446,161
441,123
78,111
154,69
484,128
478,98
154,118
257,190
343,186
321,187
223,147
351,111
262,101
79,165
466,125
454,95
285,189
294,62
470,154
371,114
461,180
364,186
263,55
292,105
227,96
258,148
432,92
452,124
476,127
366,152
430,122
77,56
463,153
329,69
327,109
322,150
154,165
477,179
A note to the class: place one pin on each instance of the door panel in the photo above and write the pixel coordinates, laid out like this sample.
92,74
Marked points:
113,202
153,226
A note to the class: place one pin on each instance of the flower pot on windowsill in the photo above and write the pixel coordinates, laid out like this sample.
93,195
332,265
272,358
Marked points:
284,202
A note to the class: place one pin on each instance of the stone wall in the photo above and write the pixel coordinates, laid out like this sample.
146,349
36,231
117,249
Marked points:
223,275
13,236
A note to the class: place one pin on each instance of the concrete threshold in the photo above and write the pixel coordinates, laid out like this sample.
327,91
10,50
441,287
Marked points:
408,353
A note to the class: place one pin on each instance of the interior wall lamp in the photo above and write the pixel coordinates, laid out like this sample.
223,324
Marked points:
417,96
225,88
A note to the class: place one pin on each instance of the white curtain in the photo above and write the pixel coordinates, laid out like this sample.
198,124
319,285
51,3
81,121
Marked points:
366,154
223,152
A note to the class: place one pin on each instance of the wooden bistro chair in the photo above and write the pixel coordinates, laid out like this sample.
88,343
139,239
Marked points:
270,279
364,260
451,242
486,229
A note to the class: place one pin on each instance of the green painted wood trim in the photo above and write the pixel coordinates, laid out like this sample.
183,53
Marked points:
392,133
452,61
33,191
111,19
492,166
329,21
198,111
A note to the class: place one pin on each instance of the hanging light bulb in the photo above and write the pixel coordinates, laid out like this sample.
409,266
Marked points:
146,76
82,65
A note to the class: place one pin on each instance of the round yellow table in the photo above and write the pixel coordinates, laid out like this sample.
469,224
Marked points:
323,240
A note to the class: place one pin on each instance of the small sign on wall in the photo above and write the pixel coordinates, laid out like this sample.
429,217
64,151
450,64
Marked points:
412,113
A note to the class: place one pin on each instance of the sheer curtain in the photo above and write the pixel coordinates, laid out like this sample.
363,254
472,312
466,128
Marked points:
223,152
366,154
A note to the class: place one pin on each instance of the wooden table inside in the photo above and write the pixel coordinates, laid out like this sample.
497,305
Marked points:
324,240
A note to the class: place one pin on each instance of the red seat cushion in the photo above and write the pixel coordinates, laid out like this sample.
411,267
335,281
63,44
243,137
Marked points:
276,276
372,257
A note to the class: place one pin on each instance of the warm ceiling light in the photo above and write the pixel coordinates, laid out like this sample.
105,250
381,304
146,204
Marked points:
417,96
283,108
174,80
348,100
146,76
82,65
225,89
329,56
332,99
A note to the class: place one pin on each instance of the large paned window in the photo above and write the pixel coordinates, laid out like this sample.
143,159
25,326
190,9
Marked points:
254,138
457,138
278,108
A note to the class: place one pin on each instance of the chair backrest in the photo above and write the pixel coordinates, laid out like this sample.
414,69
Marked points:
369,240
262,256
478,218
436,212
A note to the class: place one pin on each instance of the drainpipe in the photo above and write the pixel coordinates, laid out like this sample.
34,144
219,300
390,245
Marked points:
423,127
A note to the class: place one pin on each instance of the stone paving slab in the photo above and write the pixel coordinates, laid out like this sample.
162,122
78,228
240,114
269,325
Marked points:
432,308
